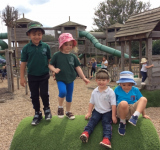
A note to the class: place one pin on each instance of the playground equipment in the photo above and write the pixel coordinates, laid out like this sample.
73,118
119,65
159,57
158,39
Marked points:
3,44
104,48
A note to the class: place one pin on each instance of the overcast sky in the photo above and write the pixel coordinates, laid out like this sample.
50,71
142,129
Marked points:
54,12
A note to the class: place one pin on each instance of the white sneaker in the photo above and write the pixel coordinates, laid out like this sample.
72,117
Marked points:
143,83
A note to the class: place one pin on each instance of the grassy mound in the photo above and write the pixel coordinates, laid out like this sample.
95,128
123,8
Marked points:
63,134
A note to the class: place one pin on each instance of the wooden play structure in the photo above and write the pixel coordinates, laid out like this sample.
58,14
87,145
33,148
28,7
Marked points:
116,41
143,27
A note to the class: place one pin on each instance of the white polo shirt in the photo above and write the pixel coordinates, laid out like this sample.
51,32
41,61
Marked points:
103,101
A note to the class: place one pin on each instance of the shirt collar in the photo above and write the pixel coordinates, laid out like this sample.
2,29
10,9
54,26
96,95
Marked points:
40,43
103,91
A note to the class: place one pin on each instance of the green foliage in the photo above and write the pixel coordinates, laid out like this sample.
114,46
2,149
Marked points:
63,134
135,48
156,47
152,97
48,38
110,12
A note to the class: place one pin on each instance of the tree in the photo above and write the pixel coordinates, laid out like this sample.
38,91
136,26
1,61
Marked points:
112,11
9,16
48,38
156,47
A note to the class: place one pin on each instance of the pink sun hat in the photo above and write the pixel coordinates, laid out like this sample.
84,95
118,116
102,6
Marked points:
66,37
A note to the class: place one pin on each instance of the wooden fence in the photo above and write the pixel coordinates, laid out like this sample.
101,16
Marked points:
114,72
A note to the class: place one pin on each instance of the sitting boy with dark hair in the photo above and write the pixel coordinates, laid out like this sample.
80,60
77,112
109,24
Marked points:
130,102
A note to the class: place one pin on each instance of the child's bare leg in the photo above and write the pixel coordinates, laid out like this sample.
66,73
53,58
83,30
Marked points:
60,101
68,106
68,113
141,104
123,109
140,109
60,107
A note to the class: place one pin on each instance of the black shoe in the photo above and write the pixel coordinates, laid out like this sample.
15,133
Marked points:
47,113
37,118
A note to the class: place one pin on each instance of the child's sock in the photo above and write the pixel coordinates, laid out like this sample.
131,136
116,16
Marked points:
123,121
66,112
136,113
60,106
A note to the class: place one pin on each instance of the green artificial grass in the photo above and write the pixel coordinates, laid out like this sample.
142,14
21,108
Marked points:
63,134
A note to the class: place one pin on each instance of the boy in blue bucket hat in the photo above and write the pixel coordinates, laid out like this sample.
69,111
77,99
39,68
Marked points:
130,102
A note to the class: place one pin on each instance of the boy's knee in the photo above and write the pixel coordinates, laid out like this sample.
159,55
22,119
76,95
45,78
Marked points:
123,105
143,99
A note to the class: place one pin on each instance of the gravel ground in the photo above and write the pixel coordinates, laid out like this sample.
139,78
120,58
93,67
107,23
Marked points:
18,106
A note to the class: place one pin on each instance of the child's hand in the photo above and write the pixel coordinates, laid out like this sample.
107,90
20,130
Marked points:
53,74
152,65
147,117
86,80
57,70
23,82
114,119
87,116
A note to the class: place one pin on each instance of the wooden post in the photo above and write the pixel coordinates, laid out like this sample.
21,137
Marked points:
9,66
18,74
146,52
122,56
15,39
9,37
140,56
106,37
149,71
130,69
115,57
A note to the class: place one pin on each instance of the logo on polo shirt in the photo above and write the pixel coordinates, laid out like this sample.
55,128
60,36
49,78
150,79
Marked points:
133,97
71,61
107,98
44,51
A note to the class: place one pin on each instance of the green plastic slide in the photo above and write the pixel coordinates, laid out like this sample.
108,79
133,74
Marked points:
103,47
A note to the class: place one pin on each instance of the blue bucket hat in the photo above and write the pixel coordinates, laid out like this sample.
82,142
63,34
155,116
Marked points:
126,77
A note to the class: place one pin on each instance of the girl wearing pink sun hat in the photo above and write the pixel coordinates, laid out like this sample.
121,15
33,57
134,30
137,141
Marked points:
66,37
64,64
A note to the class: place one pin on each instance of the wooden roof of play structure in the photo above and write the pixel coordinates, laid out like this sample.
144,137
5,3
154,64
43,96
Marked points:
23,20
68,23
116,25
140,26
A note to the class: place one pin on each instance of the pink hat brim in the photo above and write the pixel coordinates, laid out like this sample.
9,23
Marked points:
74,42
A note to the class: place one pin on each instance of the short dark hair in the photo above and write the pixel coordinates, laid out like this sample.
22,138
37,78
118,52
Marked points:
35,30
102,74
